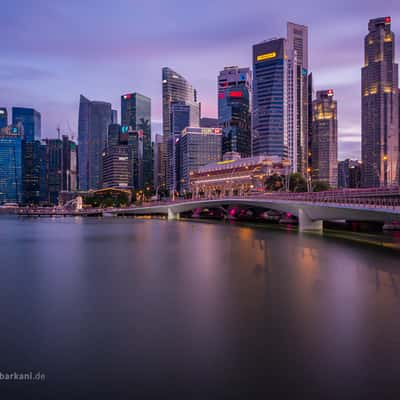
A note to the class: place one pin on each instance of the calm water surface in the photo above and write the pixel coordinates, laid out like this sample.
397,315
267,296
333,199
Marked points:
123,308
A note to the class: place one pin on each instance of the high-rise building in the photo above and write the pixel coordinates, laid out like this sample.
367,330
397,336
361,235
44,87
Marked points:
136,114
117,159
380,108
297,40
32,171
175,88
31,120
11,164
270,105
325,138
207,122
234,91
54,161
69,165
3,117
159,162
310,91
114,116
94,119
349,174
197,147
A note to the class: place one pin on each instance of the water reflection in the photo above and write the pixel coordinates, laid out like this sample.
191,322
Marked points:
182,306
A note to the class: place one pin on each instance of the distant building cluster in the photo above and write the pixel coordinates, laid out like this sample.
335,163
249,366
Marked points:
269,121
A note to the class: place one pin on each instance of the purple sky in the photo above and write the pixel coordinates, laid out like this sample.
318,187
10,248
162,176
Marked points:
52,51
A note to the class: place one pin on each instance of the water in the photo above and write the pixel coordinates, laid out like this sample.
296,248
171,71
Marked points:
123,308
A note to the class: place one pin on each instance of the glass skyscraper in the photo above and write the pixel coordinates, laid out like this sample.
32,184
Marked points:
136,114
31,120
94,119
380,108
324,145
10,165
234,91
270,131
175,88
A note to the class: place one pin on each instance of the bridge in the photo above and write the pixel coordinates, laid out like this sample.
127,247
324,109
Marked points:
378,205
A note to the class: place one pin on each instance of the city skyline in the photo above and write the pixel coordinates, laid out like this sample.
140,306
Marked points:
49,72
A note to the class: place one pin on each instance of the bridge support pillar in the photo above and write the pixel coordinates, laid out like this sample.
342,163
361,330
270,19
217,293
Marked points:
306,224
172,215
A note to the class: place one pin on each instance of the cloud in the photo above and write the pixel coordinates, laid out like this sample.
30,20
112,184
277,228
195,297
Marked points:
23,72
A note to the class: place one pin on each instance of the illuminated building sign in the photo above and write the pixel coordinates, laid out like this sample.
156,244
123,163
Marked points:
236,93
303,71
125,129
388,20
140,133
127,96
14,130
217,130
266,56
330,92
221,95
2,112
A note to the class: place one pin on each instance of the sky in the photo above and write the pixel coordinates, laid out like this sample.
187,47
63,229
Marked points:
54,50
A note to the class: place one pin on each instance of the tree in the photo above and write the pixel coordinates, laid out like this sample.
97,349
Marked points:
274,182
320,186
297,183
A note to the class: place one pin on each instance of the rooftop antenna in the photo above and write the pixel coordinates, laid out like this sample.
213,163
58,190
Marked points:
58,132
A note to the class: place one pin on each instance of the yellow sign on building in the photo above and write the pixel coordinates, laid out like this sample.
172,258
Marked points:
266,56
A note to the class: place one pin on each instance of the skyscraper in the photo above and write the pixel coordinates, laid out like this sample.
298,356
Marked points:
197,147
3,117
174,88
136,113
234,91
159,163
94,119
380,108
270,105
297,40
324,138
11,164
69,165
31,120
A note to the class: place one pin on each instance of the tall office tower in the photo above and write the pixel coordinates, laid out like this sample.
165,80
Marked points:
175,88
31,119
11,164
270,105
380,121
182,115
297,40
69,165
114,116
197,147
234,91
136,114
207,122
94,119
3,117
117,159
325,138
54,159
310,93
159,163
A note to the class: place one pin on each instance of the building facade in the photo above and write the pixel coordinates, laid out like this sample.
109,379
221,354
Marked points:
136,114
349,174
236,176
324,145
94,119
3,117
175,88
270,105
159,163
297,40
207,122
11,164
380,106
31,120
197,147
234,114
